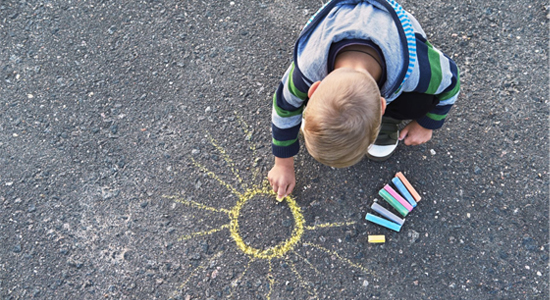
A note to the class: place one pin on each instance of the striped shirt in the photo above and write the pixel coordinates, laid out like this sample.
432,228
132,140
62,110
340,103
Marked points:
412,63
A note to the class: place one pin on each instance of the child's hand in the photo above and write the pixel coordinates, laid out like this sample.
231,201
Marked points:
414,134
281,177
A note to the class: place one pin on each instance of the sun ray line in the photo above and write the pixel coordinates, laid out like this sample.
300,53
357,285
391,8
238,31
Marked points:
307,262
199,267
235,283
197,205
271,280
346,260
214,176
325,225
248,136
248,133
202,233
301,281
256,172
227,159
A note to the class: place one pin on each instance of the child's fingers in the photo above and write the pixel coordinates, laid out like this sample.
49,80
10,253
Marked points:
403,133
283,191
275,188
290,188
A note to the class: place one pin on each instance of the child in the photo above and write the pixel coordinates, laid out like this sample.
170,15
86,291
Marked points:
362,67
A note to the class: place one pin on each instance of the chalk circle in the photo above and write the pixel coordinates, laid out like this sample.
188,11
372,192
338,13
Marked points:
281,248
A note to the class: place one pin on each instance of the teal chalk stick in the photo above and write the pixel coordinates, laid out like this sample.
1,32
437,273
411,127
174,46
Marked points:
393,202
403,190
382,222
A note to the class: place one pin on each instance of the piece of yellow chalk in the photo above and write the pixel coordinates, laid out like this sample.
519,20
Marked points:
280,199
377,238
408,185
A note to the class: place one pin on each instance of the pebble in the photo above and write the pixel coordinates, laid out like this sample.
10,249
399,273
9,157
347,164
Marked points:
144,204
128,255
204,246
195,151
131,287
477,170
529,244
432,152
413,235
503,255
74,263
16,248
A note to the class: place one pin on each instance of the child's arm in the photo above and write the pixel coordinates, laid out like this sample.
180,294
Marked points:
282,177
286,119
286,116
441,78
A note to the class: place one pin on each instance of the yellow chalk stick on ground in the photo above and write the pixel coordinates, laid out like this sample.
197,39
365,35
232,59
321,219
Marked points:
377,238
408,185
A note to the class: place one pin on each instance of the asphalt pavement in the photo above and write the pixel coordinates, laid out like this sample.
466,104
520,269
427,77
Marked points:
135,144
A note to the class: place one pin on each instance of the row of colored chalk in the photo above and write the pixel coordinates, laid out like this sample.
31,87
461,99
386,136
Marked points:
403,203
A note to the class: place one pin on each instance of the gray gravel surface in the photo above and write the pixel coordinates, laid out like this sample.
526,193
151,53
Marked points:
130,131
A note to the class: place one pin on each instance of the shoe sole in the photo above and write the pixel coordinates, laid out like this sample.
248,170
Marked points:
379,159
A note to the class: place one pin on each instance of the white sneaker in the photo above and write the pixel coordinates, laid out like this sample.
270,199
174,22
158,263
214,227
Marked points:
387,140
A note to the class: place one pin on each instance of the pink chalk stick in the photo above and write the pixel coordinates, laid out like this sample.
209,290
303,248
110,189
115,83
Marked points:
398,197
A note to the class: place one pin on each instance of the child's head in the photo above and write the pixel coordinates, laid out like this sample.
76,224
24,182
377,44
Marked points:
342,117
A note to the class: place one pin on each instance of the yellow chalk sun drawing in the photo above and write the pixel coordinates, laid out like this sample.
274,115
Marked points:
276,252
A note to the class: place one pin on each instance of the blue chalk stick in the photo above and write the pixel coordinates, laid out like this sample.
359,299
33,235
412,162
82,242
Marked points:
382,222
403,190
387,214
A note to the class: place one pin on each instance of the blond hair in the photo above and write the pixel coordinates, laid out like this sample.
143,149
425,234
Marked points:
342,118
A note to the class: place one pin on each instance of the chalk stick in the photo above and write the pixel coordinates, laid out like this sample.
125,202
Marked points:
387,214
377,239
398,197
382,222
413,192
403,190
400,208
